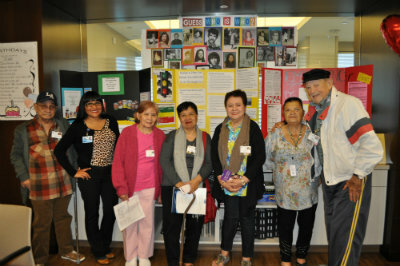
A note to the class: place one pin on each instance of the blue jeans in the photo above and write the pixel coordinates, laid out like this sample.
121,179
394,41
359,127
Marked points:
235,212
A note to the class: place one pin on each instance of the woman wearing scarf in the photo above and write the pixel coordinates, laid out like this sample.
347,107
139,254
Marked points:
185,164
238,154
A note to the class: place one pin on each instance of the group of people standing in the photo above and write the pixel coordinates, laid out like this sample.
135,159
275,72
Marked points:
334,145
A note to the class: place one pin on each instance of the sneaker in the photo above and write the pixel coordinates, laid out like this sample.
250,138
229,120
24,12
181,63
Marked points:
132,262
144,262
73,256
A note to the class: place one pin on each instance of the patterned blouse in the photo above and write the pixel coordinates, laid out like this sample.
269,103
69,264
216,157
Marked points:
292,192
103,146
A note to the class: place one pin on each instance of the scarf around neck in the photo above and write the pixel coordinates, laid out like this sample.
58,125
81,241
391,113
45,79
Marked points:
180,154
243,140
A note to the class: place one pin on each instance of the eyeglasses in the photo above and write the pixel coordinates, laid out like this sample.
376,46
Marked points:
93,104
51,107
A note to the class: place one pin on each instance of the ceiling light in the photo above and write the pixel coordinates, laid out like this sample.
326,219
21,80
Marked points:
223,6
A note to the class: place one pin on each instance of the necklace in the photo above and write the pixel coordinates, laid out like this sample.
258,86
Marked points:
295,141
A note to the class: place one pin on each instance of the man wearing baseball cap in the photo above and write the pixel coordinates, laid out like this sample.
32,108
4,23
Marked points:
349,150
43,179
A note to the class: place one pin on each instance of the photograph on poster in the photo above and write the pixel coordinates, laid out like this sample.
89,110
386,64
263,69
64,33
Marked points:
164,39
172,54
261,65
229,59
187,54
200,55
174,64
291,56
157,58
213,38
288,36
187,36
262,36
275,36
214,60
280,56
152,39
248,36
177,38
265,53
198,36
231,38
246,56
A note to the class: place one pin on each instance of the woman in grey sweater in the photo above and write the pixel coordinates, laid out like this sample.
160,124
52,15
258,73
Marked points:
186,162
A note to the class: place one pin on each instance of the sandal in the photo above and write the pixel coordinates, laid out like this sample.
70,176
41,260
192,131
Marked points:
104,261
221,259
110,255
246,263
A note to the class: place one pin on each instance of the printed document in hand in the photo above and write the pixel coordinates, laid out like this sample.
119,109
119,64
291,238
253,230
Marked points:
180,201
128,212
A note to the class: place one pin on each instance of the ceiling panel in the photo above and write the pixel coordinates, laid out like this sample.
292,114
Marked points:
92,11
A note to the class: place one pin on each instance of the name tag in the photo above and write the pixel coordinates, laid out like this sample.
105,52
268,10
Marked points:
150,153
191,149
292,170
56,134
87,139
245,150
314,138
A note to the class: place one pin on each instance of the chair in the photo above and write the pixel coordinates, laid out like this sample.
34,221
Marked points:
15,235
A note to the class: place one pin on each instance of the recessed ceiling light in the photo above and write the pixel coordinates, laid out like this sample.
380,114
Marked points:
223,6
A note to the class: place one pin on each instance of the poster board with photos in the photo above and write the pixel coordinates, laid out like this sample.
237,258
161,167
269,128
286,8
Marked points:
207,89
222,37
280,84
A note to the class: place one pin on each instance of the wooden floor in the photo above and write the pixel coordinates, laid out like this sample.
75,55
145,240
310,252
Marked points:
205,257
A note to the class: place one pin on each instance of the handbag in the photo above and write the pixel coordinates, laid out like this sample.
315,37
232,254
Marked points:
211,208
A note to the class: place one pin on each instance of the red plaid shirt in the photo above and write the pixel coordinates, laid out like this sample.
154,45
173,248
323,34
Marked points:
47,177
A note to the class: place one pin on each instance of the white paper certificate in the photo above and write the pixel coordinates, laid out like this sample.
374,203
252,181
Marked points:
128,212
198,206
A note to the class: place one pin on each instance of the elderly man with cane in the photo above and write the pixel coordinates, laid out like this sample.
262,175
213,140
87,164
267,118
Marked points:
44,180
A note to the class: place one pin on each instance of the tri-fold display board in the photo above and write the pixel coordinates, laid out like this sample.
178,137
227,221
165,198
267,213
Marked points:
122,91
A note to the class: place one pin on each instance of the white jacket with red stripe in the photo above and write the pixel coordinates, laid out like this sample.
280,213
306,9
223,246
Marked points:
349,143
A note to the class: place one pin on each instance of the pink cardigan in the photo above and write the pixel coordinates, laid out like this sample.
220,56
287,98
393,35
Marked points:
125,161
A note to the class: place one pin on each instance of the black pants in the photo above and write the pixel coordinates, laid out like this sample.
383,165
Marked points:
99,186
346,222
172,223
237,210
305,221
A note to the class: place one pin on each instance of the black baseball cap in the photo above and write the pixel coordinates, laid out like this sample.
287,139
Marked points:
45,96
315,74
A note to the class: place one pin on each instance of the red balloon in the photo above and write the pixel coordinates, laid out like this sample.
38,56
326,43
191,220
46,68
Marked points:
390,28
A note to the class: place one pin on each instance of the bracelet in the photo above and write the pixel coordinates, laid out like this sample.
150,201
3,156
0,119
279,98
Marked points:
241,180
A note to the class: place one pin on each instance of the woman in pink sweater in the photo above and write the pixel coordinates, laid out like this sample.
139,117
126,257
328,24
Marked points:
136,170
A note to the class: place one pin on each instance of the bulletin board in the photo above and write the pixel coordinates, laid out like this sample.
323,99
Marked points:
207,89
280,84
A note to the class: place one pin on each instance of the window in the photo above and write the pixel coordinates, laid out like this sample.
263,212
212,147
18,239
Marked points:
345,60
